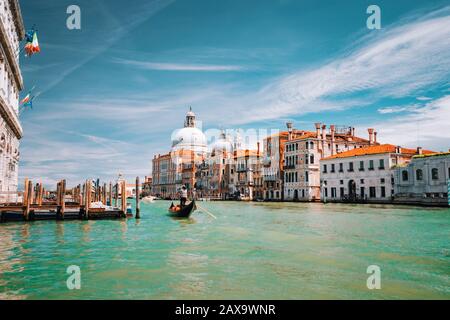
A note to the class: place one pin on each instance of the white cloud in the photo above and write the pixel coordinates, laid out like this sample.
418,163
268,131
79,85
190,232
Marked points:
427,127
399,62
397,109
179,67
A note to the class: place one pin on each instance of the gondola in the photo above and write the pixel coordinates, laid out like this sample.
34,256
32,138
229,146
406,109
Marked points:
184,212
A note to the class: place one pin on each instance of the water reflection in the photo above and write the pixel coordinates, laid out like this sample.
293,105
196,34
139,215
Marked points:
60,231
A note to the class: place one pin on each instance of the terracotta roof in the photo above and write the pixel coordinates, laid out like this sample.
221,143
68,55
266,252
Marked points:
246,153
378,149
427,155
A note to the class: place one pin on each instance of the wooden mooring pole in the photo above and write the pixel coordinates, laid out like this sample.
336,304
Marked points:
138,208
124,197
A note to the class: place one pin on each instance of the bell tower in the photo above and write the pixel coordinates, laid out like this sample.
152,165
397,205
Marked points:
190,119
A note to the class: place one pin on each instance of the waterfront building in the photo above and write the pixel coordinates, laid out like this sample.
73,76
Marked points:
363,174
247,174
272,171
216,171
425,180
11,83
147,186
179,166
304,151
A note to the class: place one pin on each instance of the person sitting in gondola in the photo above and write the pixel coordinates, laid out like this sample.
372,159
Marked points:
183,196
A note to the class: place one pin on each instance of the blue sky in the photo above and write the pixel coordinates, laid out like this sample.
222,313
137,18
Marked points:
113,92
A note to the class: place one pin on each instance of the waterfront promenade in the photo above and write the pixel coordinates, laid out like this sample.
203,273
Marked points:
251,251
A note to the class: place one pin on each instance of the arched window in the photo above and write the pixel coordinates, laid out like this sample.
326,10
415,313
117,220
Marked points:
419,175
434,174
312,145
404,175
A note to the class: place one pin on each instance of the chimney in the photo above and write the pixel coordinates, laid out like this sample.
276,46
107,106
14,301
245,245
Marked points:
332,130
317,124
398,149
257,148
324,132
419,150
353,131
375,137
289,127
370,130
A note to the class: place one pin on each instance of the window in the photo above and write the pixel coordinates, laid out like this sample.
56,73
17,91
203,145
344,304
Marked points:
362,192
307,145
381,166
333,192
341,181
306,159
383,192
382,180
434,174
404,175
341,167
371,165
312,145
361,181
361,166
332,167
341,190
324,168
311,159
306,176
326,191
350,166
372,192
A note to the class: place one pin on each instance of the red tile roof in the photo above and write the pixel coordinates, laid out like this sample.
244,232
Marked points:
378,149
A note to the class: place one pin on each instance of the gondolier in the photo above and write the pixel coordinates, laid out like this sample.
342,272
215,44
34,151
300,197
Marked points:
183,196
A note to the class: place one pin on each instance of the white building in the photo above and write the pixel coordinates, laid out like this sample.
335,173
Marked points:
11,83
363,174
425,180
304,151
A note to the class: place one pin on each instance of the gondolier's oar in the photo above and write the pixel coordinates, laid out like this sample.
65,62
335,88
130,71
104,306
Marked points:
206,211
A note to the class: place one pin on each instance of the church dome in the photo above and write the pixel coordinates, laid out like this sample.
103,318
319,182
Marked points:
189,137
222,144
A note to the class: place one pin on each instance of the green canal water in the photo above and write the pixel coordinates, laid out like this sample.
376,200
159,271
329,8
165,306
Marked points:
251,251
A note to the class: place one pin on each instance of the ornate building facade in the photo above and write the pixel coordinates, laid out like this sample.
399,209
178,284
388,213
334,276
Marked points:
364,174
178,167
304,151
11,83
425,180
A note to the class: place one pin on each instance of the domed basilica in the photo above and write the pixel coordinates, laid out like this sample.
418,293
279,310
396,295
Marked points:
189,138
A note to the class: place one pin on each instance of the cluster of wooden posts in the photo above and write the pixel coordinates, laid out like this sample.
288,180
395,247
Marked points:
80,202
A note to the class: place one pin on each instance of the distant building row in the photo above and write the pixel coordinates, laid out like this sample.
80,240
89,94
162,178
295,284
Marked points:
327,164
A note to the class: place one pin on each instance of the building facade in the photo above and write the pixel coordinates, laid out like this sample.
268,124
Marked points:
272,169
246,174
11,83
363,174
179,167
304,151
425,180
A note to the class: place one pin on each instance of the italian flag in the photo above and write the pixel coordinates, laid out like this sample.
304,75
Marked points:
33,47
26,99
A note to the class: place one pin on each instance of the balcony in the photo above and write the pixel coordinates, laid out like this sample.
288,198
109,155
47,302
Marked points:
290,166
269,178
241,169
